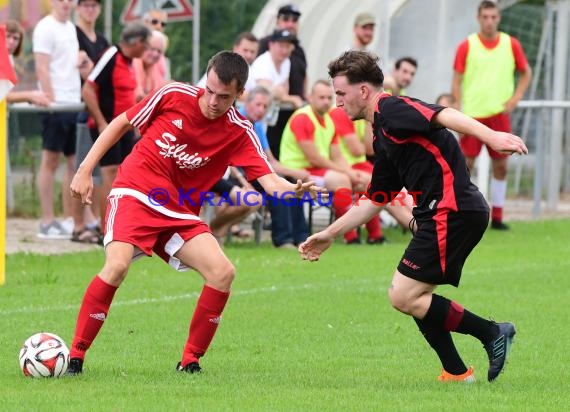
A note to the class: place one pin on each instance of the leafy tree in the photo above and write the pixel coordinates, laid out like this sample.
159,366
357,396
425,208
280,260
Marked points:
220,22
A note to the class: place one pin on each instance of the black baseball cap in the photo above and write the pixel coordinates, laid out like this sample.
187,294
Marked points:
289,9
283,35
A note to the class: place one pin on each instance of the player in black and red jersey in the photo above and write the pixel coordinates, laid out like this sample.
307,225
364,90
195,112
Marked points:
413,149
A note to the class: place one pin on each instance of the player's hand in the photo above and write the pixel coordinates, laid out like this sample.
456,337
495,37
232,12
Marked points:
308,187
81,187
312,248
507,143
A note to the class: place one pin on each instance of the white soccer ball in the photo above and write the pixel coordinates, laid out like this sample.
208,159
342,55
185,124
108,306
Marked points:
44,355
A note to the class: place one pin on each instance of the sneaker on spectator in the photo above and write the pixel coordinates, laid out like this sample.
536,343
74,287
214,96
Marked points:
53,230
67,224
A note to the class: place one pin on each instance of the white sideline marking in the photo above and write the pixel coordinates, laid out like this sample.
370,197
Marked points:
193,295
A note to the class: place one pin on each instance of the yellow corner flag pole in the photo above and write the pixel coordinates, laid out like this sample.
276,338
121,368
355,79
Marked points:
3,159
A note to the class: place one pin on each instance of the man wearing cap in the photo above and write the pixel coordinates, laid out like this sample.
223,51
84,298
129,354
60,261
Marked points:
272,68
288,19
363,31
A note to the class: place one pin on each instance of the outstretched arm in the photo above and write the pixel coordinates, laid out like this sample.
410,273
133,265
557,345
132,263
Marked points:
501,142
315,245
272,183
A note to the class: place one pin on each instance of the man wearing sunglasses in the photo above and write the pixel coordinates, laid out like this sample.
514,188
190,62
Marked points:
157,20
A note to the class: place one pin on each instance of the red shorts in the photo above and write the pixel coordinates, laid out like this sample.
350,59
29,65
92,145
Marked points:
366,167
471,146
131,221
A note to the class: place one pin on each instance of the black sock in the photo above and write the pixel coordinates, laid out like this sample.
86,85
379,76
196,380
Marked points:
453,317
442,343
483,329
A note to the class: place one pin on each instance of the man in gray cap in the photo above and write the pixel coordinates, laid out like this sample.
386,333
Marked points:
363,31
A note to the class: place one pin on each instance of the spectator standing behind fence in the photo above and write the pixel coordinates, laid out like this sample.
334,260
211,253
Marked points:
91,41
484,84
246,45
87,227
59,68
14,41
401,77
147,71
288,19
108,92
158,20
363,31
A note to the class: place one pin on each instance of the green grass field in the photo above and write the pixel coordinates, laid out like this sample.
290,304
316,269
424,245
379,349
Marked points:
296,336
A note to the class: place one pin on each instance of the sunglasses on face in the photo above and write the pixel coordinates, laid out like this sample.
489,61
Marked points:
289,17
154,22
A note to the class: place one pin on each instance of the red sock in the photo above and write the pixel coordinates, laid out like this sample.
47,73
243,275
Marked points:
374,228
497,214
340,210
207,316
92,314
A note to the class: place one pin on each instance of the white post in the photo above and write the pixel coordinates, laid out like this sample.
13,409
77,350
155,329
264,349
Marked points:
559,93
196,42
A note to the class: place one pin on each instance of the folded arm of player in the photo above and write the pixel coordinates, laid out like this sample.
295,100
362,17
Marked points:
82,184
501,142
315,245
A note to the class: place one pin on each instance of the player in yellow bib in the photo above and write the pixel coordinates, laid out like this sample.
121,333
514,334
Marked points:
484,84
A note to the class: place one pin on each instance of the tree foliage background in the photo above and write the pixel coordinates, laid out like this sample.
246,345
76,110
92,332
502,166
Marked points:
220,22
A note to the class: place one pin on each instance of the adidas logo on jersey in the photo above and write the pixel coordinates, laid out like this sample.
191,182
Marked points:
177,123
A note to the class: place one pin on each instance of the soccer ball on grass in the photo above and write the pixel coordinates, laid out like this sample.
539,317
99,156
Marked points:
44,355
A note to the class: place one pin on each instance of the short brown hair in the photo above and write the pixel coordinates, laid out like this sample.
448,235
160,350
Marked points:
12,26
487,4
229,66
245,35
358,67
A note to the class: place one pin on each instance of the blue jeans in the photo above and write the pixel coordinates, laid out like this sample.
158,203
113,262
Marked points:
288,223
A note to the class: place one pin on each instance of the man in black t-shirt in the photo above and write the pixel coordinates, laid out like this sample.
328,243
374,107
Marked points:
414,150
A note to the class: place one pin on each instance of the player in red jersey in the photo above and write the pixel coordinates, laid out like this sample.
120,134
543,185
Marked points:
414,149
189,138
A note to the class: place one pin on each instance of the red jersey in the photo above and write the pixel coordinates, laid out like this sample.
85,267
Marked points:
181,153
344,126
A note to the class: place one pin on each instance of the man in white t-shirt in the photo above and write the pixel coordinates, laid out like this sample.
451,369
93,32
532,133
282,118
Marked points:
59,65
271,69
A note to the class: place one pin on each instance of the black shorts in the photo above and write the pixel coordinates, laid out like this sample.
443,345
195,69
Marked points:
223,186
58,132
119,151
437,252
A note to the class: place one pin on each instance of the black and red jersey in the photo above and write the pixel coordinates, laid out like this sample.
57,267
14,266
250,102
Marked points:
425,158
114,80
